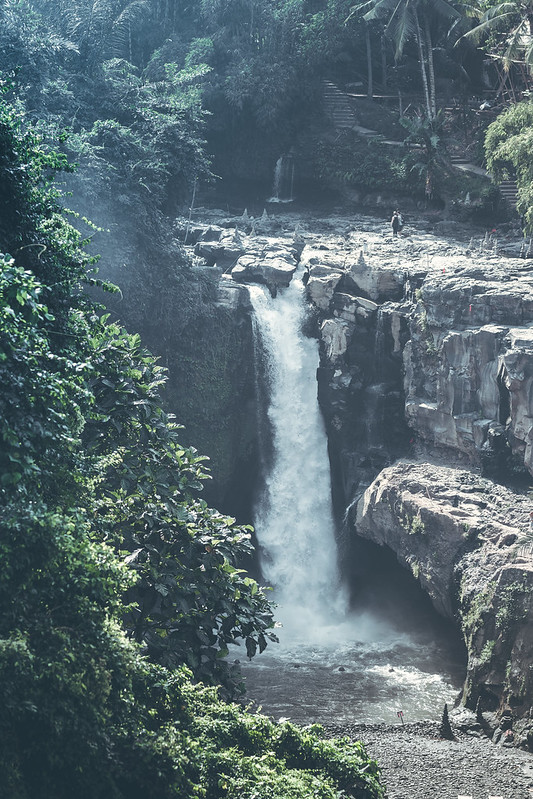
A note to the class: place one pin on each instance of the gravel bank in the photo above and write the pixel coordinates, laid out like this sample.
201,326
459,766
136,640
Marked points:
417,764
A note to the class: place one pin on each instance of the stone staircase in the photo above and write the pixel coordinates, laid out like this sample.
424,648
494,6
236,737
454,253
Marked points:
509,192
340,110
464,164
508,188
337,106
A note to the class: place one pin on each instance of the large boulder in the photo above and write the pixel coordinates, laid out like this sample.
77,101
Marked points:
271,264
466,540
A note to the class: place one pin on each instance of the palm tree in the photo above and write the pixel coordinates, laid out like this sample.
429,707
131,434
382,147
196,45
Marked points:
411,19
426,153
514,20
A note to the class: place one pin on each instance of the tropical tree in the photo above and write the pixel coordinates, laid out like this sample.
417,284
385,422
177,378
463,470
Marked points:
508,146
84,447
412,19
506,27
426,157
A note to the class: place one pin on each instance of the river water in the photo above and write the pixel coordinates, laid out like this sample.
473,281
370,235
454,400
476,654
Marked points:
386,660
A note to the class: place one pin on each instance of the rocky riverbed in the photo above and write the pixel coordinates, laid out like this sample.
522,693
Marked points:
416,763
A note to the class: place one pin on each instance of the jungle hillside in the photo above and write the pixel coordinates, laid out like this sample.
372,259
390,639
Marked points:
123,590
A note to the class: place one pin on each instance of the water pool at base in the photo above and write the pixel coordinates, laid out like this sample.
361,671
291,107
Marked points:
356,681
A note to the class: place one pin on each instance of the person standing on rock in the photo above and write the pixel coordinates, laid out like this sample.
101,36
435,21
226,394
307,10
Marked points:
395,223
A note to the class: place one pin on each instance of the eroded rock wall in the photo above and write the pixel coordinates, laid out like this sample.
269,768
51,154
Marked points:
446,352
425,382
466,540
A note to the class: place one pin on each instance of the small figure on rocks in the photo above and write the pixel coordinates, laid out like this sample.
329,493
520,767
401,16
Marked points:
506,720
396,223
445,730
504,732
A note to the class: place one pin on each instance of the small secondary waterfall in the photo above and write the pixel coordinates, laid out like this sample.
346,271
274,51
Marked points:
294,519
283,189
332,662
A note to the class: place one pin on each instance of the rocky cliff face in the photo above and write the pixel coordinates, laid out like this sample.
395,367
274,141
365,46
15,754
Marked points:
427,353
213,377
466,540
425,382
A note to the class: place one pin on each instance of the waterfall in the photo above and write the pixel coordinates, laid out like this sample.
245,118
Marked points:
363,664
283,188
294,519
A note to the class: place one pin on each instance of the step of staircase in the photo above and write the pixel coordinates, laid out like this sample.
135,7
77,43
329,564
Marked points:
341,112
509,191
463,164
338,106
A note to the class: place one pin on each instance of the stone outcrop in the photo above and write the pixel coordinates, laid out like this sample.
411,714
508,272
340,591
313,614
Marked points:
468,364
427,351
466,539
258,259
425,382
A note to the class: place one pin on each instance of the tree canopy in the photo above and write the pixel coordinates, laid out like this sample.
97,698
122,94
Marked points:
114,574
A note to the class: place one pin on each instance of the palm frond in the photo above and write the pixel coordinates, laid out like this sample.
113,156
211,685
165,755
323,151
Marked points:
443,9
360,10
58,44
402,26
134,11
517,44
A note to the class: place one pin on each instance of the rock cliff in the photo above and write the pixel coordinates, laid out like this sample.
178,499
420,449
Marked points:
425,382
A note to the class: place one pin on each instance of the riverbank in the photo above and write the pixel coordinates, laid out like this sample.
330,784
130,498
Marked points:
417,764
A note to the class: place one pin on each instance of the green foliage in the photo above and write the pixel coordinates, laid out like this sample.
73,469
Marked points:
191,601
510,610
507,150
303,762
505,29
367,165
486,653
92,466
152,148
417,526
425,160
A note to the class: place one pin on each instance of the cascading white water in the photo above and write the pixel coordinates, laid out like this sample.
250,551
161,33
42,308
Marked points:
294,519
331,663
283,188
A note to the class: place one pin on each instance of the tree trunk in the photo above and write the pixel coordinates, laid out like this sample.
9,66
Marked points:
370,90
431,68
384,63
422,57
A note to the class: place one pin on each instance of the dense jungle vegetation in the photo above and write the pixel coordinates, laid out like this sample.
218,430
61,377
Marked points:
121,591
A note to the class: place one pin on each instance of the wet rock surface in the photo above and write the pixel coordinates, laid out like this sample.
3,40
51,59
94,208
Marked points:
467,540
